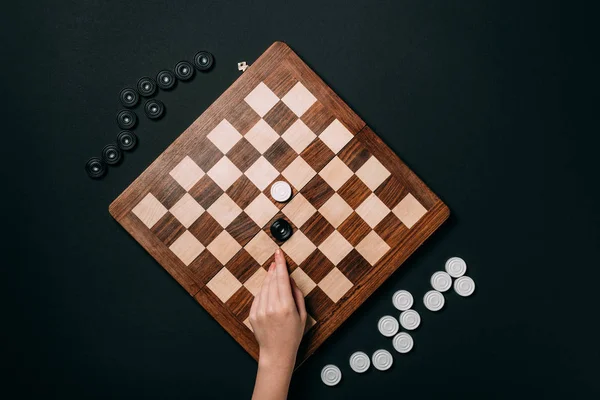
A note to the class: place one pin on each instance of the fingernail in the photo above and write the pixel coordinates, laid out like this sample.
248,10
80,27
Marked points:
277,251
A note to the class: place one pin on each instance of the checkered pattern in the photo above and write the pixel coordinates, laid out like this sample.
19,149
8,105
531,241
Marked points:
346,209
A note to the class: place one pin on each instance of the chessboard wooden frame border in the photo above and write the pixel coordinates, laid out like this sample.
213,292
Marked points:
277,53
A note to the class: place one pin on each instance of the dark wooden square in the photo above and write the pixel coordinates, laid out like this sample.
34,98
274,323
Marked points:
280,155
205,154
240,303
205,191
243,154
354,155
317,228
205,229
317,266
242,117
204,267
280,81
242,228
354,266
391,192
318,304
354,229
243,192
317,191
242,265
317,118
280,117
168,229
392,230
354,191
317,154
167,191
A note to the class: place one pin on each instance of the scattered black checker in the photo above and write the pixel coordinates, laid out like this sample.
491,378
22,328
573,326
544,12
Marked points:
129,97
95,168
166,79
126,140
184,71
111,154
154,109
203,60
126,119
146,86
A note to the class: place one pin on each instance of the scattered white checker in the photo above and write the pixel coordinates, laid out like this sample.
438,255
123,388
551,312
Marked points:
335,210
187,210
298,247
373,173
359,362
336,136
382,360
299,99
261,210
464,286
261,247
224,210
261,99
149,210
224,247
224,173
261,136
335,247
298,136
372,210
441,281
388,326
224,284
262,173
402,300
187,173
298,210
331,375
409,211
187,247
403,342
281,191
410,319
456,267
434,300
336,173
298,173
224,136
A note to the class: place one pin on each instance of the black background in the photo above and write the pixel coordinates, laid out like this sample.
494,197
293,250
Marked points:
488,102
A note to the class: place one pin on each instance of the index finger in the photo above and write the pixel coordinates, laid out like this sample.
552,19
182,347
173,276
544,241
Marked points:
283,278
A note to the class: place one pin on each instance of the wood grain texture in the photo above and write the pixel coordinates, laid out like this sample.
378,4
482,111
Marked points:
281,69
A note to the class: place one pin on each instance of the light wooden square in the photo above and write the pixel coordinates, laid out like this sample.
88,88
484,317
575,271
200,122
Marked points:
224,247
336,173
187,210
261,210
335,284
149,210
261,247
299,99
409,210
372,247
336,136
298,173
373,173
261,99
187,173
298,136
224,136
262,173
261,136
303,281
254,283
335,210
335,247
299,210
248,324
224,173
372,210
224,210
298,247
187,247
224,284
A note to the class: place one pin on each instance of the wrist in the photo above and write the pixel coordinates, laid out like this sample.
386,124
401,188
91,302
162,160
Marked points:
277,362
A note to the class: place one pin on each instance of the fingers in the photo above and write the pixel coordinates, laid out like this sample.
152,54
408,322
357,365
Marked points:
273,297
299,299
263,295
283,278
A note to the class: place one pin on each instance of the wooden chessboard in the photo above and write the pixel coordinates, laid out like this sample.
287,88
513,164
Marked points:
203,208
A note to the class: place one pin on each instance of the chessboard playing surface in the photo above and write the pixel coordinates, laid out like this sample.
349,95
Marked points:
203,208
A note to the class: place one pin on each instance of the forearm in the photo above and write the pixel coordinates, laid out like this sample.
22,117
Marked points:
272,379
